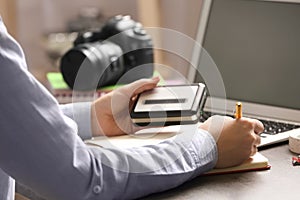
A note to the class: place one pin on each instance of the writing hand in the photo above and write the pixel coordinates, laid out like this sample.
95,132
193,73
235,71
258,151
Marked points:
236,140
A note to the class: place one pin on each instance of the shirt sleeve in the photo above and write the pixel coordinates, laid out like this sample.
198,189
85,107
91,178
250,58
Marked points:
81,113
7,186
39,146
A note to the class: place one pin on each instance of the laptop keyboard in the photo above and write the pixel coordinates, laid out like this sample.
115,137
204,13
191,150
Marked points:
271,127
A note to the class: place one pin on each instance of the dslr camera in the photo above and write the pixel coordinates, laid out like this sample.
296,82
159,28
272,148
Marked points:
119,52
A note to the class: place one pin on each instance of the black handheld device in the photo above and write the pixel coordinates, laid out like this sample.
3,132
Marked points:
169,105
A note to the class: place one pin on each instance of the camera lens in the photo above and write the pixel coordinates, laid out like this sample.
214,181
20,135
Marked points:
103,57
92,65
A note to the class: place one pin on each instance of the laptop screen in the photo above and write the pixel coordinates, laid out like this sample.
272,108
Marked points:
256,47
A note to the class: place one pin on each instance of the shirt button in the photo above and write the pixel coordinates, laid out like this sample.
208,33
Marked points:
97,189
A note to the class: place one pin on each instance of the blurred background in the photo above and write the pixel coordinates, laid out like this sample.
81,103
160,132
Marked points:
40,25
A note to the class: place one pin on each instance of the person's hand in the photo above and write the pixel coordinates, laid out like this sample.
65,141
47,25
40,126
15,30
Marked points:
110,113
236,139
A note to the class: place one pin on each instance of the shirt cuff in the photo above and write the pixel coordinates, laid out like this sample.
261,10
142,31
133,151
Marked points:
204,151
81,114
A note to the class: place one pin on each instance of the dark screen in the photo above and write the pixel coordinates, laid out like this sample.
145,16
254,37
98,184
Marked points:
256,47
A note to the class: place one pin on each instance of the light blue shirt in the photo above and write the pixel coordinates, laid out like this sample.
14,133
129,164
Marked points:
41,145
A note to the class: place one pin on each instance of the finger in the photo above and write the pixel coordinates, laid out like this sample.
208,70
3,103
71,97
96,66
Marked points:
139,86
143,83
132,101
147,85
253,150
257,140
258,126
123,96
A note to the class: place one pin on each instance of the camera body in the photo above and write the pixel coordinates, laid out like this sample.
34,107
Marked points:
120,52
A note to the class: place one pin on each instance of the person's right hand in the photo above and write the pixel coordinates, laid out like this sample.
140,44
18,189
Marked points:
236,139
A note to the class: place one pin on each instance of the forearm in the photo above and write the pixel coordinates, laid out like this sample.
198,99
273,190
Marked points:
145,170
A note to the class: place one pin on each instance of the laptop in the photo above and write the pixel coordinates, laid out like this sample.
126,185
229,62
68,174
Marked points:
255,47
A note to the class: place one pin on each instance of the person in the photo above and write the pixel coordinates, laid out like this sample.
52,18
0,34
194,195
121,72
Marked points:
41,142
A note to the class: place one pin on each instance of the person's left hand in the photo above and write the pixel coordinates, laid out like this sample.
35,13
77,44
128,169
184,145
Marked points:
111,112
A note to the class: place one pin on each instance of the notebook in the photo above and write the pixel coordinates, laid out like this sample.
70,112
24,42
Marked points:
256,162
251,54
141,138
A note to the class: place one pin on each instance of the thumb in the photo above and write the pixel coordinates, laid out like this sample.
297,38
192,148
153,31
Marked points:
140,86
121,97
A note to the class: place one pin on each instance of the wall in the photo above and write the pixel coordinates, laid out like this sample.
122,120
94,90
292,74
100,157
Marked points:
37,17
181,16
8,14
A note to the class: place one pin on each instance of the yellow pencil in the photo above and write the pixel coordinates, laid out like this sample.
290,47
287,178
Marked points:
238,110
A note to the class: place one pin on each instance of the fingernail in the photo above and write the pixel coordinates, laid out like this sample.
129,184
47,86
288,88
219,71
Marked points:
156,78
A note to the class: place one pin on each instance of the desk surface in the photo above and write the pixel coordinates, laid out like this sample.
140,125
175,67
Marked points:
280,182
